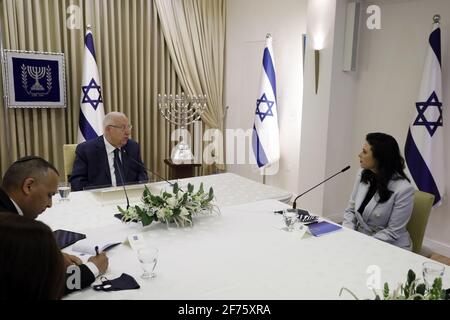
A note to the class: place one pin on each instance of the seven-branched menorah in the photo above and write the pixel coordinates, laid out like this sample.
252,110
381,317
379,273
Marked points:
182,110
36,73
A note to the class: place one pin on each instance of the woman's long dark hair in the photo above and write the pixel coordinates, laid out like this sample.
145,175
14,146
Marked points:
31,264
390,163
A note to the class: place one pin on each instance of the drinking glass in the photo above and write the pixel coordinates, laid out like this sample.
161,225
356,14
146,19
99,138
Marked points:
64,190
290,217
431,271
148,257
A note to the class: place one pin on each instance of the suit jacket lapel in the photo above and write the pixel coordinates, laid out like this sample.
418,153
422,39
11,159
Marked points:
101,154
6,203
362,218
363,189
374,201
370,206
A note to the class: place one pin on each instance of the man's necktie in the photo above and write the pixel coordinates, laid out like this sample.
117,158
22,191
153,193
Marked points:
118,168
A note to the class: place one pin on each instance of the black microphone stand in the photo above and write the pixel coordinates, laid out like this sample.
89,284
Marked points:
149,171
304,212
294,205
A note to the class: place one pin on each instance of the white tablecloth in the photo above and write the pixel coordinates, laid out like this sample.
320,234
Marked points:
229,189
240,254
232,189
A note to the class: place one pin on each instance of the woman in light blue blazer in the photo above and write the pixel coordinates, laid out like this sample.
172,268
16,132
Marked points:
382,199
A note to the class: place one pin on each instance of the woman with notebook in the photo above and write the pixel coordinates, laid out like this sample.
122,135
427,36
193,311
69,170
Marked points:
382,199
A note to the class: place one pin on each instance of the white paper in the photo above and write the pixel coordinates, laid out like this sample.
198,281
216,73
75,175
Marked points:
87,246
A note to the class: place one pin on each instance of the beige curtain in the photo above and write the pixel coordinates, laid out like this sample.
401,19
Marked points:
134,66
195,35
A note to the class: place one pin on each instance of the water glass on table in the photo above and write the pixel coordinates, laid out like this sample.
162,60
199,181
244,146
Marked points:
148,257
290,218
64,190
431,271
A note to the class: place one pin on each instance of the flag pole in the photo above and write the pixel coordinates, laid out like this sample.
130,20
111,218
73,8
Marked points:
268,36
437,18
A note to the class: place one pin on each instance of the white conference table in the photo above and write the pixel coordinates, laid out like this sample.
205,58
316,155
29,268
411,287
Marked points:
229,189
240,254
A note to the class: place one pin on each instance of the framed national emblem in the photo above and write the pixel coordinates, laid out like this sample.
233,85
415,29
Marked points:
35,79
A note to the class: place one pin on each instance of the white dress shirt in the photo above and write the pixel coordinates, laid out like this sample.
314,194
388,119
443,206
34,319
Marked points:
110,154
19,211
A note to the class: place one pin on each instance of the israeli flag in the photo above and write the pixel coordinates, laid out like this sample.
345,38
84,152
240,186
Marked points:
92,112
424,148
265,138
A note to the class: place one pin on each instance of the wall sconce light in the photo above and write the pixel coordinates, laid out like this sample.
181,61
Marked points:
318,44
316,66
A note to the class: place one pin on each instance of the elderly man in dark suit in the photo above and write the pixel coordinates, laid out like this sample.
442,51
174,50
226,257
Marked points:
27,189
110,160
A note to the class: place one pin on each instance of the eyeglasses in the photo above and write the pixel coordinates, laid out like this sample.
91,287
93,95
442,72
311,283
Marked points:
123,128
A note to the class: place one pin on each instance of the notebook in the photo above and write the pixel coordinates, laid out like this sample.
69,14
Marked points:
320,228
87,246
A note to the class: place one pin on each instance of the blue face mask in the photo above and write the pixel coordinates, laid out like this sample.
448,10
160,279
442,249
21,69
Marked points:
124,282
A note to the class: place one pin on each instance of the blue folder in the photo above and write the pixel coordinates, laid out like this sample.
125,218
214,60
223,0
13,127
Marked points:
323,227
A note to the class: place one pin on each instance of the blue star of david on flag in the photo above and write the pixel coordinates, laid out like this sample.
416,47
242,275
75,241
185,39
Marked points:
263,115
422,107
87,98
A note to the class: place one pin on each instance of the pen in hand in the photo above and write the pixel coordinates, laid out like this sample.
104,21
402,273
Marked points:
96,250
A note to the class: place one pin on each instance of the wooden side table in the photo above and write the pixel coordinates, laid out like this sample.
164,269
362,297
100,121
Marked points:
440,258
182,170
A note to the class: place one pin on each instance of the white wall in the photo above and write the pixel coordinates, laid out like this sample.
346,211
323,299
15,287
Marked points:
385,86
379,96
316,107
340,150
390,70
248,22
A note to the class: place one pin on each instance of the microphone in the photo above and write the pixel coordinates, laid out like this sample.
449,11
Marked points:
145,168
123,184
294,205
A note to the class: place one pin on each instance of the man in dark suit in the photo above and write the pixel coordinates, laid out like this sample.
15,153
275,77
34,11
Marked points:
110,160
27,189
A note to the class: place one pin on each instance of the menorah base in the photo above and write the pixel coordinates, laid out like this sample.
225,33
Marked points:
181,171
182,154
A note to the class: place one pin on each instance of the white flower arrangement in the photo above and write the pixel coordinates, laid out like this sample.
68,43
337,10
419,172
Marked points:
412,289
177,206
